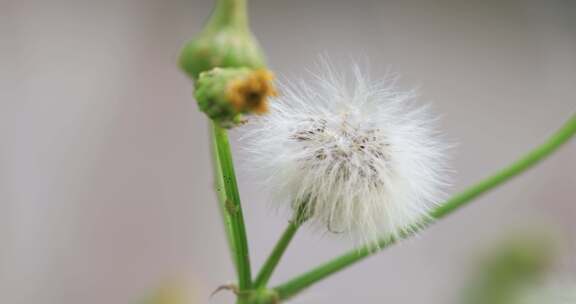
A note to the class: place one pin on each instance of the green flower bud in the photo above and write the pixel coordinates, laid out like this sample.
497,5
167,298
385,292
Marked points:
225,94
226,41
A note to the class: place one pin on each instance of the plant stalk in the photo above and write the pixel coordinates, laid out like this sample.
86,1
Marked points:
229,13
230,201
270,265
221,193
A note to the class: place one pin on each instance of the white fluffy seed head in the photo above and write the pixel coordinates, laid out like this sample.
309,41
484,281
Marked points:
366,161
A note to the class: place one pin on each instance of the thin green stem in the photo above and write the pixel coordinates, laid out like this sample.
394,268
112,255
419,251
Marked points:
221,193
303,281
229,13
233,209
274,258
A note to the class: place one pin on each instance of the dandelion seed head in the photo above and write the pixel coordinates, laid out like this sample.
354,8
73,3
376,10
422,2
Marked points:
366,161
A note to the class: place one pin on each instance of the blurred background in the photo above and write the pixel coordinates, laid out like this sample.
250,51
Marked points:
105,179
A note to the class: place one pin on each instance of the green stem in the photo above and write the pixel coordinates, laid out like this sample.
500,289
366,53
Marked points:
303,281
231,200
229,13
274,258
221,193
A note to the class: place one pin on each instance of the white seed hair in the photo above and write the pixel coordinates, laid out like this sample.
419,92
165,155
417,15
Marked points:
366,160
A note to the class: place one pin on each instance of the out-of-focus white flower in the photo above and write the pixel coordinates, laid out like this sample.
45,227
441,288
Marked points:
360,154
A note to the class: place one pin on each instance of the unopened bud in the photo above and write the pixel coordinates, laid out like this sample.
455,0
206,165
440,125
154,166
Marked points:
226,94
226,41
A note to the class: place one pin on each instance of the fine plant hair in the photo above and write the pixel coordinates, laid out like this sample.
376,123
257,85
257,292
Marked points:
363,156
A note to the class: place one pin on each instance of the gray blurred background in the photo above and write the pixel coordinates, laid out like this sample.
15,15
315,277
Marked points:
105,178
